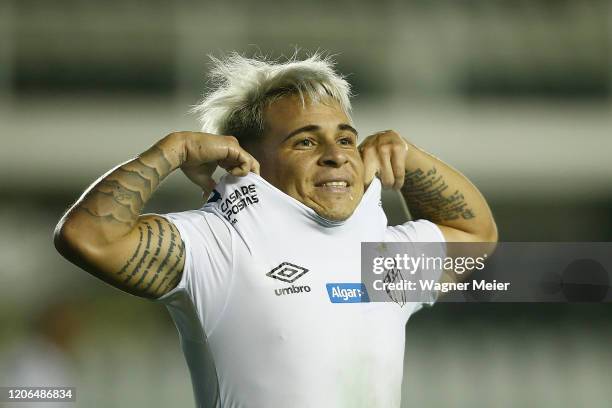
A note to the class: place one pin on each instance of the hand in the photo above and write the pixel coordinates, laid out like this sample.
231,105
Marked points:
384,154
203,152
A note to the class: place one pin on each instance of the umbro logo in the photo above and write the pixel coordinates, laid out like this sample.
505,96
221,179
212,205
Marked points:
287,272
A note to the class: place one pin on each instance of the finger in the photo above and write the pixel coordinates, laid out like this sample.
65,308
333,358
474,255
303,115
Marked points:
386,171
201,175
246,163
253,164
240,170
370,164
398,165
364,143
237,162
256,167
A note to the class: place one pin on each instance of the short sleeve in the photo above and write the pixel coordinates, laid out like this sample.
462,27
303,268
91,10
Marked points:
416,231
208,264
421,231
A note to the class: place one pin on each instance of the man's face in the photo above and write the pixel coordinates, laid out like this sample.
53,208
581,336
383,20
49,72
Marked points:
310,153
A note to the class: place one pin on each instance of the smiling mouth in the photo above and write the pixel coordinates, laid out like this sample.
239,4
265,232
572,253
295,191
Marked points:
336,186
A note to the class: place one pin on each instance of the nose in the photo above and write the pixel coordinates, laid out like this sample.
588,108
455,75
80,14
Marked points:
332,156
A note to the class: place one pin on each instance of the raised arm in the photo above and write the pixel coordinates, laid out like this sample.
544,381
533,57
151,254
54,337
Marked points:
105,233
433,190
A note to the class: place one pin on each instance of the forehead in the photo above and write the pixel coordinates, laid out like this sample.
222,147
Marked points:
288,113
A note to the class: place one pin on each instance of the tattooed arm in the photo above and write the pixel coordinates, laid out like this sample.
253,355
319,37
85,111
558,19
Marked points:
104,232
432,189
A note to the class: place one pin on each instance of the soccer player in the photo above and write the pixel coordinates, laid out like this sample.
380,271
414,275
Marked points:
250,277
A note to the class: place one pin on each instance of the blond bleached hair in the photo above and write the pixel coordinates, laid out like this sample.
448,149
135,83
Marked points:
243,87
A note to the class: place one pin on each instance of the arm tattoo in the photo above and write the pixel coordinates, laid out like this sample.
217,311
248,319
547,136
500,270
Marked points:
163,264
174,274
121,196
146,259
143,256
427,196
105,218
112,209
130,261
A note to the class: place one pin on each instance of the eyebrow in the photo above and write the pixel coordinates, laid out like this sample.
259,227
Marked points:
316,128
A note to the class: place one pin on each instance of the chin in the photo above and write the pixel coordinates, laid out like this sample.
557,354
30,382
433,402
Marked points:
335,214
330,208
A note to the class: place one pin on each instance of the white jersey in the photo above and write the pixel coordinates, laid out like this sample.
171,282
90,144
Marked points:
260,310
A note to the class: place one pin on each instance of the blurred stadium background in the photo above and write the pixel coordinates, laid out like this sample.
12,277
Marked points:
516,94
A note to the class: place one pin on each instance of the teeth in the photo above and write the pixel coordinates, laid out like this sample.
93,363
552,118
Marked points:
335,184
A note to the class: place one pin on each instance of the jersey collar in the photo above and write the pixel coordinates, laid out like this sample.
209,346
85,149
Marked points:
370,198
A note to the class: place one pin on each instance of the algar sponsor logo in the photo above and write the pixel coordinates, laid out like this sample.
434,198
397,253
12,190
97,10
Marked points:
347,293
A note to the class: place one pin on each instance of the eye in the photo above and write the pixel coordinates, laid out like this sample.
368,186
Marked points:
346,141
304,143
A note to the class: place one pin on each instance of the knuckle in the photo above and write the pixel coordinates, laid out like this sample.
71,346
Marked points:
385,147
368,140
179,135
232,139
399,146
392,137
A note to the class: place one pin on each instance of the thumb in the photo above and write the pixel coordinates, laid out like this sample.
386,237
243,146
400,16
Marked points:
201,175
